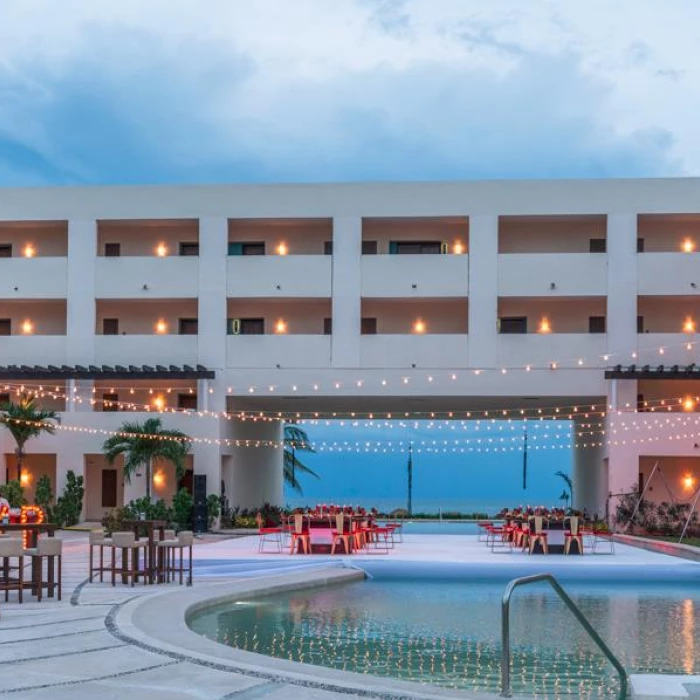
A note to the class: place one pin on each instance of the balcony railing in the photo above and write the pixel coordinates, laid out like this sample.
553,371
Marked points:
33,350
668,274
285,351
566,349
404,351
279,276
146,277
146,349
33,278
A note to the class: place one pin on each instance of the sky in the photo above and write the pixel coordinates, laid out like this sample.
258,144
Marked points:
174,91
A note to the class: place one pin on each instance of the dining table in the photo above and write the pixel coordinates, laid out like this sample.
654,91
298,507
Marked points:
149,529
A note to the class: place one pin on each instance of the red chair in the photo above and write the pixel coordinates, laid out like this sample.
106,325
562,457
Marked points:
342,533
268,535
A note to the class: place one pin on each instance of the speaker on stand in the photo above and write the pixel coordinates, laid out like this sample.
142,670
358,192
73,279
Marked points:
199,516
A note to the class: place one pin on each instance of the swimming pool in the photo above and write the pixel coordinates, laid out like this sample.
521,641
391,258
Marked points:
447,631
440,527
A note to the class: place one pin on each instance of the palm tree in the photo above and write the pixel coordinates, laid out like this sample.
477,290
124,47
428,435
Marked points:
142,443
569,483
25,420
295,440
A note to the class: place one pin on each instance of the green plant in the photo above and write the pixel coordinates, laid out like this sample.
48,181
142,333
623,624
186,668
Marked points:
569,482
182,509
25,420
113,521
213,509
69,506
151,511
296,440
142,443
13,492
43,494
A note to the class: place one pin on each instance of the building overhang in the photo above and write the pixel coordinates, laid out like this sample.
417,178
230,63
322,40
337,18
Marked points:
133,372
664,372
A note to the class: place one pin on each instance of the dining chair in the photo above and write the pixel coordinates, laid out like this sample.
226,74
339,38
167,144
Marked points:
300,530
268,534
573,532
537,533
342,532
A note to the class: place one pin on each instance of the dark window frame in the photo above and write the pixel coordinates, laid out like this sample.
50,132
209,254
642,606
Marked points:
597,324
5,248
514,325
597,245
188,326
368,325
107,324
110,402
113,250
188,248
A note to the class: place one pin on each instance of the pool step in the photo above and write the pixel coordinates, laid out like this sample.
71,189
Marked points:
664,687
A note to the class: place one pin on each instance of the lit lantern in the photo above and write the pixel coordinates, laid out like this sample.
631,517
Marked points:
161,250
544,326
158,478
282,248
688,245
25,477
688,481
688,403
419,326
281,327
161,326
689,325
458,248
27,327
29,251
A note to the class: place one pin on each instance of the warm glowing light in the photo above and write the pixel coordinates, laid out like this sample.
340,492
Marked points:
688,245
419,326
281,326
159,403
161,250
688,481
689,325
158,478
27,327
282,248
25,478
161,326
545,326
29,251
688,403
458,248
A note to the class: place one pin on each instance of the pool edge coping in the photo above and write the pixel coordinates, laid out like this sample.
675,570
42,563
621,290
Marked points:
158,623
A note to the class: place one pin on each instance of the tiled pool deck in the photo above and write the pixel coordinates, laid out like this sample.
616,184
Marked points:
116,643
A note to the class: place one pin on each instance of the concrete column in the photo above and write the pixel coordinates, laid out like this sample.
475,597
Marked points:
589,473
622,287
81,312
483,290
347,291
211,395
256,473
213,241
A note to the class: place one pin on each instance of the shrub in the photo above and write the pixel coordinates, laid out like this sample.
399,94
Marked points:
44,494
14,493
70,505
213,509
182,510
114,520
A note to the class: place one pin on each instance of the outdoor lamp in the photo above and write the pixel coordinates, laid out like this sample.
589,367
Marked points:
27,327
688,245
159,403
29,251
161,326
281,326
419,326
458,248
161,250
689,325
688,403
282,248
159,478
544,327
688,481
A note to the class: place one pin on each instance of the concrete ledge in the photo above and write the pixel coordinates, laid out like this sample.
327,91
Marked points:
158,623
664,687
684,551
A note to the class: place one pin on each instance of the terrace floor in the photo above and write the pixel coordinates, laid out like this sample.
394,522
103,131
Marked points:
76,649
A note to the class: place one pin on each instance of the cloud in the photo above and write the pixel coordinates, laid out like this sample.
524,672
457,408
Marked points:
360,90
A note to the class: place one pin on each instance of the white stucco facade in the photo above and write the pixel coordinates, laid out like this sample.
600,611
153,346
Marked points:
519,251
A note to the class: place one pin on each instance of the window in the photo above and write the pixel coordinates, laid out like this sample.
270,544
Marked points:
246,326
6,250
110,326
246,249
368,326
640,324
189,248
640,245
188,326
4,399
415,247
512,324
113,250
110,402
327,326
596,324
109,488
369,247
328,247
641,408
597,245
5,326
187,402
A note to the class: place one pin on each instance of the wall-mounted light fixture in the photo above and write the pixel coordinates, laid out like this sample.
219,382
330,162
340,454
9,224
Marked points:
29,251
281,326
161,326
419,326
282,248
25,477
161,250
27,327
688,481
159,403
545,326
158,478
689,325
458,248
688,403
688,245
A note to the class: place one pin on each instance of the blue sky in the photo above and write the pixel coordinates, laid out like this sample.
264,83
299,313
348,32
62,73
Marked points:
311,90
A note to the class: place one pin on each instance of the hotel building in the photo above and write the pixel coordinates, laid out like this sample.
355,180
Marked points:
513,299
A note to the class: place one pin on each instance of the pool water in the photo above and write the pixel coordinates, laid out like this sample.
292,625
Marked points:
440,527
447,632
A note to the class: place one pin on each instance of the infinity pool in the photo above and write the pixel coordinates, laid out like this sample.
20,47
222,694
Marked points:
447,632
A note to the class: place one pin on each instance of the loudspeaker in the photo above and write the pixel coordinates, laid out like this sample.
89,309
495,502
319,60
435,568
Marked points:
199,516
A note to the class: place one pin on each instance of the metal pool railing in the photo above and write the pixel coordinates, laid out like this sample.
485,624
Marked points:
576,612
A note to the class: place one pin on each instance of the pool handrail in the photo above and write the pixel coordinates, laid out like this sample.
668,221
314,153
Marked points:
573,608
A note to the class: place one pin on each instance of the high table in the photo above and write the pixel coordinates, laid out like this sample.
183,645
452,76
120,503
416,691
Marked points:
33,531
150,528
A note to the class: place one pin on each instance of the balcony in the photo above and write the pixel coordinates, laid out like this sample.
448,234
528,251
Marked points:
566,349
279,276
406,351
33,278
148,237
572,274
668,273
146,277
146,349
386,276
270,351
33,350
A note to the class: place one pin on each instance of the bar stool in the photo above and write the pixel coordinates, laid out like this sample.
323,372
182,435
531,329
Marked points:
170,547
127,542
98,540
11,548
49,548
